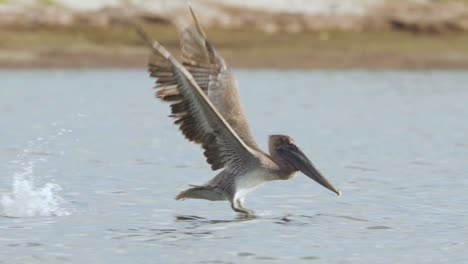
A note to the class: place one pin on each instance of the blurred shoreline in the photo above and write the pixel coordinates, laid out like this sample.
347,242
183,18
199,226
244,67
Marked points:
376,34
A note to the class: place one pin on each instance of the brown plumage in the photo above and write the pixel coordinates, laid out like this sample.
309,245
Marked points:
206,106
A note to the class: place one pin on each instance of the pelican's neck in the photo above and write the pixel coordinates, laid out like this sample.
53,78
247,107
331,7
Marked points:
284,170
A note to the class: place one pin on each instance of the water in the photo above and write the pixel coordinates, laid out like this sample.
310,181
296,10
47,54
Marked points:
91,164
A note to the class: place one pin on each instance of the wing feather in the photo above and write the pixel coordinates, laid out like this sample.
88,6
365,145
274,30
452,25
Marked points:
214,78
196,116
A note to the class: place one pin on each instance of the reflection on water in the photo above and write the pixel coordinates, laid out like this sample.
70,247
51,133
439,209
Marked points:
186,226
393,142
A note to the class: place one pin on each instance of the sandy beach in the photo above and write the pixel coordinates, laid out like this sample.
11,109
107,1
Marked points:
120,47
326,34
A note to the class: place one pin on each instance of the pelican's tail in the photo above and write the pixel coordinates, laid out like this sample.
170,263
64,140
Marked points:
201,192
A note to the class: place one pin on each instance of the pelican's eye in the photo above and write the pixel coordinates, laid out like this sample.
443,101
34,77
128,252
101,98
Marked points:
282,147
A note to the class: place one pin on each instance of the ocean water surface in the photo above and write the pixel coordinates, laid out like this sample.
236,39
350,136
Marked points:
90,165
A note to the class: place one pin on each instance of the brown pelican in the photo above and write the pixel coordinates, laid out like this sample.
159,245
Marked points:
205,104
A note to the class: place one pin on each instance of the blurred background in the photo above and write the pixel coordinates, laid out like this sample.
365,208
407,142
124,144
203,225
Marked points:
385,34
374,91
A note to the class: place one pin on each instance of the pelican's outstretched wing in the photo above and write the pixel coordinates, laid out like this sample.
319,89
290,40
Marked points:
198,119
214,77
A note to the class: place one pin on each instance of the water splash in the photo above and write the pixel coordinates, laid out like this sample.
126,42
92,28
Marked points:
26,199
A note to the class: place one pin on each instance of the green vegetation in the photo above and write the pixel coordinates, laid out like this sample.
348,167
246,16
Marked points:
48,2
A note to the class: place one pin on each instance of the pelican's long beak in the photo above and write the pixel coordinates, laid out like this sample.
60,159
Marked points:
292,154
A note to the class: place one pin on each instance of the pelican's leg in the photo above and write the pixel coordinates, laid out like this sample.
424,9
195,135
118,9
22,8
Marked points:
236,205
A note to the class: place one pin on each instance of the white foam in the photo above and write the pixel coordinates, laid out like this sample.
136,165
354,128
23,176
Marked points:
26,199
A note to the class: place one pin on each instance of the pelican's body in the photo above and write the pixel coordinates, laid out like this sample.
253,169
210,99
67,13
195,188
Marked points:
235,185
206,105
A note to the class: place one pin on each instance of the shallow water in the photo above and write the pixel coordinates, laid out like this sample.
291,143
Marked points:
394,143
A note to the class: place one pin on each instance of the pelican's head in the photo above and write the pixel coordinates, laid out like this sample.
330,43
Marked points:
282,147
